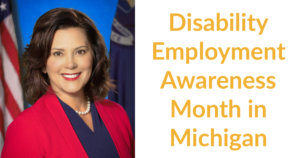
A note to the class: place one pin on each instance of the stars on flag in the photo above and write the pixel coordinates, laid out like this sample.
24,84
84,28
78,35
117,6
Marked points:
2,6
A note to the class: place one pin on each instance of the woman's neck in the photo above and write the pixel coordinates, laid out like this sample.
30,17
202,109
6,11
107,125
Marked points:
75,101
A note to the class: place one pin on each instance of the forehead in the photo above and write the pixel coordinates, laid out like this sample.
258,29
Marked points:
69,38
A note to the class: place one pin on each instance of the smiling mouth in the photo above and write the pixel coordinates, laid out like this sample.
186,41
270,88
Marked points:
71,77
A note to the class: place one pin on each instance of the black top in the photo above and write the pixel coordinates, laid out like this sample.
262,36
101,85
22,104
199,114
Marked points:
97,144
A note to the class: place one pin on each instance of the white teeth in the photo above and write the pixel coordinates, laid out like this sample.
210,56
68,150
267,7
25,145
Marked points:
71,76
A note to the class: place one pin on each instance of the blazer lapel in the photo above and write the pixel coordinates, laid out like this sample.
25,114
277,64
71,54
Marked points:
64,125
107,122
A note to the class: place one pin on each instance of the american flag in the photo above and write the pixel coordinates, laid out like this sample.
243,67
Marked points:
11,99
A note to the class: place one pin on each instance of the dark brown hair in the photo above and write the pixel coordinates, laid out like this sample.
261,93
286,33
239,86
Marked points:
35,82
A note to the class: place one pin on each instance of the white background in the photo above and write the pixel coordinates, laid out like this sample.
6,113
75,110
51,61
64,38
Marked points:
153,105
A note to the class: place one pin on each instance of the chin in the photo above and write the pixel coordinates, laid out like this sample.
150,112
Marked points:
73,90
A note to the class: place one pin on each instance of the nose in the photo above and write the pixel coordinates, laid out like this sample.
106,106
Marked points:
71,62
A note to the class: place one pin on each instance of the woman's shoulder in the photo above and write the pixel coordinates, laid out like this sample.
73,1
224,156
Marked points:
21,135
25,116
31,113
117,122
30,117
25,123
107,102
109,105
112,112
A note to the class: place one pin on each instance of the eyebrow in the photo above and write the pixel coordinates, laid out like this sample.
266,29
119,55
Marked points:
85,46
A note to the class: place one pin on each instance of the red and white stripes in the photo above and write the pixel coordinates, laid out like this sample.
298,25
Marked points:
11,99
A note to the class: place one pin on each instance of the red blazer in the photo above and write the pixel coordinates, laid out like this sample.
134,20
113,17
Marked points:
44,130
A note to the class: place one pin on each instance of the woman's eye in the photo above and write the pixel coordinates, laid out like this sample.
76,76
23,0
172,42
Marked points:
81,52
57,53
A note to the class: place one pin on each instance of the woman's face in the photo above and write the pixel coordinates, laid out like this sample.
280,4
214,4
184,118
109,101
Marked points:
69,65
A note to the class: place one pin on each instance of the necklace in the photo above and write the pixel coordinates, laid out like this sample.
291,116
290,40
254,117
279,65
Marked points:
87,109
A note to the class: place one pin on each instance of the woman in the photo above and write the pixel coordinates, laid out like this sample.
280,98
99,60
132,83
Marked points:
66,77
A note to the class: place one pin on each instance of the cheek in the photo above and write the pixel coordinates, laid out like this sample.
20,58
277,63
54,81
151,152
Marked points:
52,65
87,63
88,67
